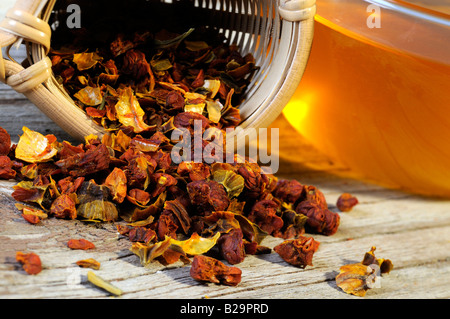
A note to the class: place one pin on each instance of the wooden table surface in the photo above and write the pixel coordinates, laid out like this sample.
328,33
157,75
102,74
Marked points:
412,231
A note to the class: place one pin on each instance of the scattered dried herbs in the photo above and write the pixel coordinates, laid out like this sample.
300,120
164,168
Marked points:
140,88
172,212
142,80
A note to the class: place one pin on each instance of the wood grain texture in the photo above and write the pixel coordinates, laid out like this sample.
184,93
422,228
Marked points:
412,231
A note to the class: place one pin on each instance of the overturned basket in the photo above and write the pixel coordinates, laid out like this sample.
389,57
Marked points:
277,32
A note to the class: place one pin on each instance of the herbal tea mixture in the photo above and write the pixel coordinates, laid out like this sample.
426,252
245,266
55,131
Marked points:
145,83
142,88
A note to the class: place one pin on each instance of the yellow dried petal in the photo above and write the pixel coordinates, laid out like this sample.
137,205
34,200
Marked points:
214,109
213,86
29,171
233,183
354,278
196,45
357,278
90,96
147,253
129,112
194,96
119,142
89,138
34,147
196,245
195,108
85,61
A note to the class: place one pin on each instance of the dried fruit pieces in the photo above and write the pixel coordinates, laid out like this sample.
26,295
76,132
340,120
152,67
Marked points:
298,252
34,147
140,82
358,278
89,263
31,214
320,220
82,244
346,202
6,168
31,262
141,88
92,161
195,245
208,269
94,202
174,211
5,142
64,207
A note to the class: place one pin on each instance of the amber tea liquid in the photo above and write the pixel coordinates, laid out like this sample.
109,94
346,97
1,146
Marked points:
382,113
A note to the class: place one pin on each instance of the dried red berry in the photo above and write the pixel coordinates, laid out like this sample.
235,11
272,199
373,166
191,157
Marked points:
346,202
212,270
30,261
82,244
298,252
320,220
231,246
264,214
5,142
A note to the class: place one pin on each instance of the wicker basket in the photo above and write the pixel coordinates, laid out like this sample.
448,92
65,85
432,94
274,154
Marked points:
277,32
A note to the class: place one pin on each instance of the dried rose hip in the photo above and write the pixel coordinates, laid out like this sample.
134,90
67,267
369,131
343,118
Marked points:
346,202
312,193
5,142
6,168
208,195
298,252
82,244
64,207
289,191
30,261
81,164
320,220
212,270
264,214
231,246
